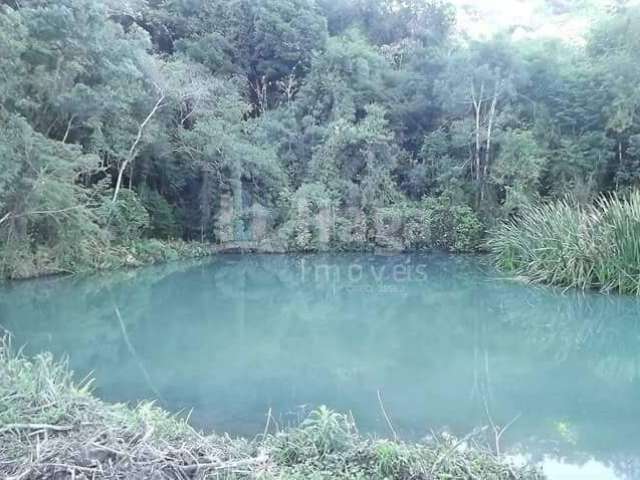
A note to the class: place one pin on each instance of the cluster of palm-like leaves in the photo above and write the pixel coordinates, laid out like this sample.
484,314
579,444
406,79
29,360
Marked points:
582,246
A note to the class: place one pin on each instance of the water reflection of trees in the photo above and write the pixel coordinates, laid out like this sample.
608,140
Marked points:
596,339
603,331
76,317
183,320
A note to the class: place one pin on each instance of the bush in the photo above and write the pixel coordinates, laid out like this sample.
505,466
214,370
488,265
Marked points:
433,224
77,250
455,228
589,247
150,251
127,219
306,229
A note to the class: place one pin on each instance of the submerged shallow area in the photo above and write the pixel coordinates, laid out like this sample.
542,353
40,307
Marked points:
443,341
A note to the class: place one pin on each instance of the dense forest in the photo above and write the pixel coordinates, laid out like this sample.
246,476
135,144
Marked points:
299,125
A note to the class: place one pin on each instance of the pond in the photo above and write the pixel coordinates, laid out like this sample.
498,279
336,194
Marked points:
442,342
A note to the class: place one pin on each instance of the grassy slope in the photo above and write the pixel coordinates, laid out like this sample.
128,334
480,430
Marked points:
53,428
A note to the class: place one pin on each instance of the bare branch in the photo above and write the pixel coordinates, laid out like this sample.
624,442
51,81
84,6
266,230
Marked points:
5,218
35,426
69,125
386,417
50,212
134,146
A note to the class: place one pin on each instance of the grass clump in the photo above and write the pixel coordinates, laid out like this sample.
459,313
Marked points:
52,428
593,246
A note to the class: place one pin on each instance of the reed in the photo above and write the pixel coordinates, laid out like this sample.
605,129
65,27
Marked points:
594,246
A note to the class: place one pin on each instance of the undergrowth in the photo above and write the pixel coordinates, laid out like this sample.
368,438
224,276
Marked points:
23,263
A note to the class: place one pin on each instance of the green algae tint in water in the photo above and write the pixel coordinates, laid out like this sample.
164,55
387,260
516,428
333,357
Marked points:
443,339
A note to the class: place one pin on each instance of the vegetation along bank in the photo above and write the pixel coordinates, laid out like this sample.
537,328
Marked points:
51,427
586,246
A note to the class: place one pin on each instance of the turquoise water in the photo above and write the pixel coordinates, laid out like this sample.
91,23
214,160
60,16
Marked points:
447,343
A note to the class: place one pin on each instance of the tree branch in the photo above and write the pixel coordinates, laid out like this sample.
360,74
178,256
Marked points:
5,218
35,426
39,212
134,146
66,133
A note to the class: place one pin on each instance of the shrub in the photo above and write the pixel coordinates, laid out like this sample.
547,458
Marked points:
454,227
307,227
433,224
591,246
127,219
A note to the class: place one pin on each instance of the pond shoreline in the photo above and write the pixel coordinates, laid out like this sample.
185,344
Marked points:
79,436
185,250
137,255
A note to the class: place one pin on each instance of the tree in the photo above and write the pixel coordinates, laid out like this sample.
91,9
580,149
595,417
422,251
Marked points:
613,48
226,159
355,161
42,207
518,168
207,112
285,36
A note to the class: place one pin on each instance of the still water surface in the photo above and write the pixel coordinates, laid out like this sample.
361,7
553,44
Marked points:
447,343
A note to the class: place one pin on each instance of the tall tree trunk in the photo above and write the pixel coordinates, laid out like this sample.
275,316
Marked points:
620,162
236,192
5,218
487,153
205,204
134,146
477,107
131,170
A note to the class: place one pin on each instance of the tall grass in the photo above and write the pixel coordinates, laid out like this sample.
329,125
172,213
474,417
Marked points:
593,246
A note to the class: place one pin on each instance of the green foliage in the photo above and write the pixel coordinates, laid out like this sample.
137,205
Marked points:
518,168
349,76
404,227
285,36
48,223
454,227
352,111
324,432
433,224
163,217
355,161
307,228
126,219
583,246
146,252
